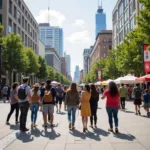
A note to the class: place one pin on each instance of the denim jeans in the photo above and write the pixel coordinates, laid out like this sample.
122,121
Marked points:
34,110
72,114
112,112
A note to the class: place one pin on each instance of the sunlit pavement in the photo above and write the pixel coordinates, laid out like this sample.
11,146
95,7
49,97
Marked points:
134,133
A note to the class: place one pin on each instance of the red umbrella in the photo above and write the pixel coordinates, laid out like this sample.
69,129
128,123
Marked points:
144,78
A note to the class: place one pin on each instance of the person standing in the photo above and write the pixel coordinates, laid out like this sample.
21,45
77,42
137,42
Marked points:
34,104
146,99
123,95
59,97
94,105
5,93
24,95
72,101
112,104
85,106
48,105
13,103
137,99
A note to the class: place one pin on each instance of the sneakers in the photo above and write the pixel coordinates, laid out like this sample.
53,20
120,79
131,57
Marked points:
110,130
7,123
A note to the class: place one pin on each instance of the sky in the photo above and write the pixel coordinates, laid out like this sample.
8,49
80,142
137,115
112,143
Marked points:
77,18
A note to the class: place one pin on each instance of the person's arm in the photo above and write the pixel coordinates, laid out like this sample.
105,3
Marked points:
66,98
78,98
81,99
15,95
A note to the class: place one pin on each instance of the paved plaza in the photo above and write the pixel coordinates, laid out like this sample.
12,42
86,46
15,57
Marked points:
134,133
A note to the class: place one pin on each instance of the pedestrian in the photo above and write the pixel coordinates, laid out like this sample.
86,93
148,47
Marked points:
137,99
13,104
42,89
24,96
94,105
34,104
85,106
112,104
123,95
5,93
146,99
59,97
72,101
64,96
48,105
130,90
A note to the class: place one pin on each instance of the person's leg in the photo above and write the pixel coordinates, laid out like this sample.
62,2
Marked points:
86,122
17,112
109,112
25,113
69,108
60,103
124,104
139,109
45,119
57,104
115,114
83,121
95,116
91,120
73,116
21,116
136,109
32,113
12,108
36,112
51,111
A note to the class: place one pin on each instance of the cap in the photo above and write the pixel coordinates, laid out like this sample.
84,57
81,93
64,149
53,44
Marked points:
36,85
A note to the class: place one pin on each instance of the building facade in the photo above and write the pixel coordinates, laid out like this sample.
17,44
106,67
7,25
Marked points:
101,47
41,49
86,55
52,37
77,75
68,64
100,19
124,19
81,76
63,66
53,59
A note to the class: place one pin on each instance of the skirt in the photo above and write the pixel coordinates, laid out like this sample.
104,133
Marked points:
137,102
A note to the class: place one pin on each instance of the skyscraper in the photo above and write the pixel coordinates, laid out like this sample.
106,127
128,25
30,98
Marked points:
52,37
100,20
77,75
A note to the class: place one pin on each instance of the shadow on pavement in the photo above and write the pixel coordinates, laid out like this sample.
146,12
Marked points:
127,111
36,132
24,137
123,136
14,127
101,132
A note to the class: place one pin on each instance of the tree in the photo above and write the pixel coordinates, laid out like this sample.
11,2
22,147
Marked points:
33,61
50,72
57,77
42,72
13,55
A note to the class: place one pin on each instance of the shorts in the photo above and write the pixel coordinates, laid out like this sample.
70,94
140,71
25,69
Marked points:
48,108
137,102
59,100
147,105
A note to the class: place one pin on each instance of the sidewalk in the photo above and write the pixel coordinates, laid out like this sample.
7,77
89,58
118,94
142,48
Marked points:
134,133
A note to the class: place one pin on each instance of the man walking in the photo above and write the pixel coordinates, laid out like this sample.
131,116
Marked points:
123,95
24,95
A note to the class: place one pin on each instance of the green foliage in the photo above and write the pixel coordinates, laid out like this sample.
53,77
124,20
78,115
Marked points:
42,72
50,72
33,61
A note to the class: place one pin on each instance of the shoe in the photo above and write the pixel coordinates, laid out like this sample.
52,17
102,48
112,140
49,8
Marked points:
70,126
7,123
139,112
91,126
95,126
116,130
136,113
45,127
25,130
52,126
34,125
17,122
84,130
110,130
73,128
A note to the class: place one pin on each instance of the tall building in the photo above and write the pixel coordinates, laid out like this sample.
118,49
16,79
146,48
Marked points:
53,59
81,76
101,47
52,37
16,17
100,20
124,19
41,49
77,75
63,66
86,55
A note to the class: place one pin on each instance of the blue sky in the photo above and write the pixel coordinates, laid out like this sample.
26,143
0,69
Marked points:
77,18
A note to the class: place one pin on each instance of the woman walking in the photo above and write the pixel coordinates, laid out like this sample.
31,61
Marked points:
94,105
34,103
112,105
72,101
14,103
85,106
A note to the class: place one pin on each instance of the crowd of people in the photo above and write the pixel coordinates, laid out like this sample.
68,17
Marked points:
45,97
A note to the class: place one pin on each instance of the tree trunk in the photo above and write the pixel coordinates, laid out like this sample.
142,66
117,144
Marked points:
10,77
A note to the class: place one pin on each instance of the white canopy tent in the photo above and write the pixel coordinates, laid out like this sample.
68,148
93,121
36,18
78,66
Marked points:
54,83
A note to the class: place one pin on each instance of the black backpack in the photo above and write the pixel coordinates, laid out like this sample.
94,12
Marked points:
138,93
22,93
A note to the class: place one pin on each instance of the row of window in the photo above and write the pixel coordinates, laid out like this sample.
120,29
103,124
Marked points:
107,40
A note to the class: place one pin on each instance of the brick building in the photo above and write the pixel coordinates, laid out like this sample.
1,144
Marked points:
63,66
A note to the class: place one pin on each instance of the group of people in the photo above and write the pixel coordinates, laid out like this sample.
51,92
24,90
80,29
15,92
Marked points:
47,96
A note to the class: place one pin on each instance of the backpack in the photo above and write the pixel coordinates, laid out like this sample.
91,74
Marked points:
22,93
34,98
48,96
59,93
138,93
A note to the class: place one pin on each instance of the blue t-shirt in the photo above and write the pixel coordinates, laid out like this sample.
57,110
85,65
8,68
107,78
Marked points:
146,98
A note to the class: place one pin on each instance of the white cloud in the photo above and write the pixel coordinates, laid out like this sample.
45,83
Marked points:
79,37
56,18
79,23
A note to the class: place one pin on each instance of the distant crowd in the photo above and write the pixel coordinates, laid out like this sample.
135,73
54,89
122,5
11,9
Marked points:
46,96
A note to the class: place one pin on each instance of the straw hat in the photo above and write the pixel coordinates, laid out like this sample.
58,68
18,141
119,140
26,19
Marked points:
36,85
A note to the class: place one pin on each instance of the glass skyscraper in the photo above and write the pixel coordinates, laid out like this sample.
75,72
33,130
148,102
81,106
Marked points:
100,20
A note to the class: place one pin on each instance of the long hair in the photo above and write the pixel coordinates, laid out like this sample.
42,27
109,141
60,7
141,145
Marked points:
35,90
93,90
87,87
14,85
113,90
73,88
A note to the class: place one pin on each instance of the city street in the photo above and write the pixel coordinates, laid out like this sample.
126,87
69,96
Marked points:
134,133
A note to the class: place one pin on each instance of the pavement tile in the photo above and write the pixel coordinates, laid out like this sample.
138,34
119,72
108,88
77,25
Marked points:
78,146
55,147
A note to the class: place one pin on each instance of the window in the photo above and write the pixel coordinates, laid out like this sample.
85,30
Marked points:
135,19
22,21
1,4
110,40
22,36
10,6
126,15
19,3
132,24
104,40
26,26
104,47
105,54
9,25
15,12
131,9
126,30
110,47
15,29
120,36
19,31
126,3
120,9
134,5
23,9
1,19
121,23
19,17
